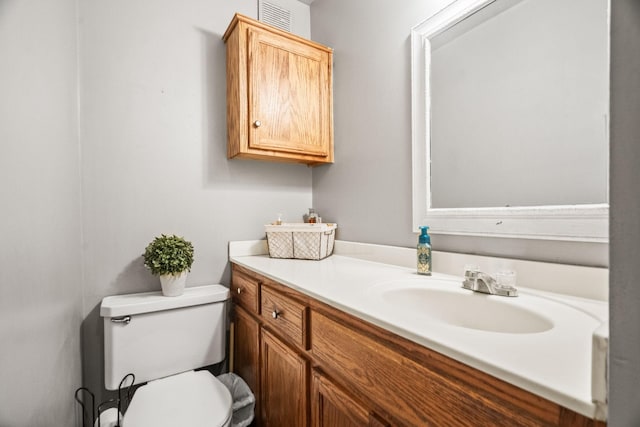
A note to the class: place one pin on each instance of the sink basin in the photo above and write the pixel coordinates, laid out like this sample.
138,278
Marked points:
444,301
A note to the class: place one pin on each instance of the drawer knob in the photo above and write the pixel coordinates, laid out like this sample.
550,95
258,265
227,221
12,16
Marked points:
257,123
275,314
239,290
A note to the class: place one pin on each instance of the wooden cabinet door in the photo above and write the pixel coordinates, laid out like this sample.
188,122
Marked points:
246,347
289,95
284,384
333,407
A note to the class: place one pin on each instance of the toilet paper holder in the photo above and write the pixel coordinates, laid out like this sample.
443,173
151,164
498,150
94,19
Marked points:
121,403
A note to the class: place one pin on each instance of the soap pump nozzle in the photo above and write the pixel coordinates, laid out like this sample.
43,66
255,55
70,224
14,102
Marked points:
424,235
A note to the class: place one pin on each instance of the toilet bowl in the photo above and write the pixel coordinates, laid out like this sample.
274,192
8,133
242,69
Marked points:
191,399
161,340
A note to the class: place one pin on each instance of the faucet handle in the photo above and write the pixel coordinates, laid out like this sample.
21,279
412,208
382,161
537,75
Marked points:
470,277
471,271
506,279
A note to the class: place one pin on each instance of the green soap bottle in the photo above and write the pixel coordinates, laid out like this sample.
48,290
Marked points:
424,252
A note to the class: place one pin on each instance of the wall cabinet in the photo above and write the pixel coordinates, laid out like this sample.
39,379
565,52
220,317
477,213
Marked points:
279,95
320,366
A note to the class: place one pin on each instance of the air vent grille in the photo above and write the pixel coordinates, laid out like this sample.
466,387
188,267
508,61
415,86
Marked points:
272,14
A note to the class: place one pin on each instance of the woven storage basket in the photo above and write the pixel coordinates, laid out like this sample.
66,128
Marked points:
301,240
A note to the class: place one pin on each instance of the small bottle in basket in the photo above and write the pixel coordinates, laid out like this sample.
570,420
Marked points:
312,218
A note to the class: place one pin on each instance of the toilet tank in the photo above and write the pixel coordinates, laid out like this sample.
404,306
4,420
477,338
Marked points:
153,336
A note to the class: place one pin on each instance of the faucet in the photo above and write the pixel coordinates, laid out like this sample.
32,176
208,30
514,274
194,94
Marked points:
478,281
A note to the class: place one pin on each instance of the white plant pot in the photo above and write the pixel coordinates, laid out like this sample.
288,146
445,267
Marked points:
173,285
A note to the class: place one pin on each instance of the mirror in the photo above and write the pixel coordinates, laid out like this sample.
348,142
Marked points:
510,119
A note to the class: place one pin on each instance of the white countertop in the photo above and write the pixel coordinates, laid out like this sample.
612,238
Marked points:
555,364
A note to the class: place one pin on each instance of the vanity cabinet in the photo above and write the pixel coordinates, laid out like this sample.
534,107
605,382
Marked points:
284,383
335,407
246,348
269,343
320,366
246,331
279,95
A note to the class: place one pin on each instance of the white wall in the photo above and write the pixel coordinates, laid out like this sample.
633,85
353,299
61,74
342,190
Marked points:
153,132
368,189
40,260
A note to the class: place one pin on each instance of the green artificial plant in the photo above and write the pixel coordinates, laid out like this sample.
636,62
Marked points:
168,255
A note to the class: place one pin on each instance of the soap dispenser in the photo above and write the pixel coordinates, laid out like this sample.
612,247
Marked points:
424,252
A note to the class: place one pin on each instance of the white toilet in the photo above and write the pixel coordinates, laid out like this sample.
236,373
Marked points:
161,340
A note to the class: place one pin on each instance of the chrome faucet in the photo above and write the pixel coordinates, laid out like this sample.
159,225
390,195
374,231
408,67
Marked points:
478,281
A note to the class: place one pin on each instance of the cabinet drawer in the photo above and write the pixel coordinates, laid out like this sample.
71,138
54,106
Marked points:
245,291
284,316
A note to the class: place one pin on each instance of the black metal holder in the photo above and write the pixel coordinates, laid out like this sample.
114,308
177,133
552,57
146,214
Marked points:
84,409
122,402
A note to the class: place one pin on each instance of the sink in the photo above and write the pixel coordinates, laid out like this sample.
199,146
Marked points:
444,301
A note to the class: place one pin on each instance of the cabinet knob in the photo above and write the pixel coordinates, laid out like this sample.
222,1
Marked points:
257,123
239,290
275,314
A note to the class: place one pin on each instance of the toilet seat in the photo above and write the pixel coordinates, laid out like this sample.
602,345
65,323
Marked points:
191,399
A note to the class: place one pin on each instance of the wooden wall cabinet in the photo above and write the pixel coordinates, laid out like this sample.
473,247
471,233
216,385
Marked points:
279,95
312,364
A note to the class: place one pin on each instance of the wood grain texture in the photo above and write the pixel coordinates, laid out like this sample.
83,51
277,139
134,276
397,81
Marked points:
284,82
420,396
333,407
247,351
571,419
287,85
245,292
284,384
290,316
236,94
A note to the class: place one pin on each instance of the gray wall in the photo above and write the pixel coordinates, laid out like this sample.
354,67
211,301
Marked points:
625,215
40,258
368,189
153,135
113,130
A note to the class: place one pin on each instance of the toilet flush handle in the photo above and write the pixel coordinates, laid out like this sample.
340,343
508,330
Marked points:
125,319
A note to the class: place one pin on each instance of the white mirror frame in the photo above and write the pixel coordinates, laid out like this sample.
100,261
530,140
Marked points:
587,223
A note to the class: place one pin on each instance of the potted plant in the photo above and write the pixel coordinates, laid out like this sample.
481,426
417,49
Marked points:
170,258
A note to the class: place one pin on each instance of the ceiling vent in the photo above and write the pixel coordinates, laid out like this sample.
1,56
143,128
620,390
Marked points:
275,15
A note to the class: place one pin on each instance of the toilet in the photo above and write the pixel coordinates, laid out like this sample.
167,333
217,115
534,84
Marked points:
162,340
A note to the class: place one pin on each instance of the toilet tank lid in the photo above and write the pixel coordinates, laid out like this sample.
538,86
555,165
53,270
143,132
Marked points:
147,302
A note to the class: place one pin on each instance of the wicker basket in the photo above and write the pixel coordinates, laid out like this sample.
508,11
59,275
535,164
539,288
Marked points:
301,240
